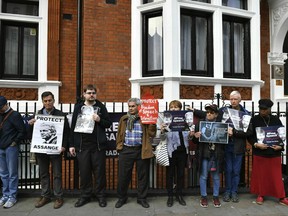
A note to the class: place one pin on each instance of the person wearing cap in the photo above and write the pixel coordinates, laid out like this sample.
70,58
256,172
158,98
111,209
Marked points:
177,144
234,151
90,148
48,133
266,177
210,159
12,131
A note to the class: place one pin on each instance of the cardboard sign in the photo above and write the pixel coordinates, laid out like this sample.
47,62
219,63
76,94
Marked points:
272,135
148,111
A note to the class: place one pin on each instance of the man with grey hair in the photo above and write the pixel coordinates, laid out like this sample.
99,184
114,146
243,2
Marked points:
133,145
234,151
48,132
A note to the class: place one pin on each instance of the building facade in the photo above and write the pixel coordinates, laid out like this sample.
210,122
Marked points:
171,49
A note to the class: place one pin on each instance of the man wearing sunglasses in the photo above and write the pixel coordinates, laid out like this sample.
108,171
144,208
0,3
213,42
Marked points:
90,148
234,151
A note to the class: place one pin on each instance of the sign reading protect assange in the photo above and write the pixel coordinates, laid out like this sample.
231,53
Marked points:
47,134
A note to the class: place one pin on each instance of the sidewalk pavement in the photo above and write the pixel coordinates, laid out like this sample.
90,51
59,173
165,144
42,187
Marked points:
246,206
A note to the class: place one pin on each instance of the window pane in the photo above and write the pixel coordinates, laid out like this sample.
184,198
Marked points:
226,46
25,8
239,48
155,43
201,44
206,1
11,50
148,1
29,51
186,34
241,4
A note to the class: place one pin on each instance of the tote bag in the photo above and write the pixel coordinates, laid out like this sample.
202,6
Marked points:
161,153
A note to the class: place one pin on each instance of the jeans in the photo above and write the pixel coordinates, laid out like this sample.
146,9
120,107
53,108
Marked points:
44,161
233,165
9,171
204,176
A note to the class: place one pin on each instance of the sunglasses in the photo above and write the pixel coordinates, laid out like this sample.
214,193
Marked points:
210,111
90,93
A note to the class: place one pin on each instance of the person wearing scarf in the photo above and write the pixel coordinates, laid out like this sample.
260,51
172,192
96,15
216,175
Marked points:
133,145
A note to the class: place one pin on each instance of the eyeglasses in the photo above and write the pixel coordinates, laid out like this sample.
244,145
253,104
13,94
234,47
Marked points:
90,93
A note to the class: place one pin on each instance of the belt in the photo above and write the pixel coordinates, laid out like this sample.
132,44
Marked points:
133,146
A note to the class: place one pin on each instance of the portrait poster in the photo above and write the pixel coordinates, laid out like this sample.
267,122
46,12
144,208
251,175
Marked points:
272,135
213,132
85,122
148,111
240,120
47,134
178,120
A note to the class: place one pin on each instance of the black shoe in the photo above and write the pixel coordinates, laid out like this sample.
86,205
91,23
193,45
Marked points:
120,203
102,202
82,201
170,201
181,200
143,203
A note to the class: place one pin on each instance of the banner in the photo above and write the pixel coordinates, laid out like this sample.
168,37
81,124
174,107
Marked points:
272,135
178,120
148,111
213,132
47,134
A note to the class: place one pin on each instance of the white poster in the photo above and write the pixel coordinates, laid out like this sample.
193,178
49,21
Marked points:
85,122
47,134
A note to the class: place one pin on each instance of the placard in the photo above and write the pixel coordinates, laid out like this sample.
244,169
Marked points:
213,132
47,134
85,122
148,111
236,119
272,135
178,120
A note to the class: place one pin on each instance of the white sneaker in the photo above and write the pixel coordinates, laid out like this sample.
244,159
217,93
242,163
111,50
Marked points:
10,202
3,200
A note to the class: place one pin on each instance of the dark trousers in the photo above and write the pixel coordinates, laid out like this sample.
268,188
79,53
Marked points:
127,157
44,161
92,163
177,162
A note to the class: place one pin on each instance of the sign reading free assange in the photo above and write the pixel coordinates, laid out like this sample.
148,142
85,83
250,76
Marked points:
47,134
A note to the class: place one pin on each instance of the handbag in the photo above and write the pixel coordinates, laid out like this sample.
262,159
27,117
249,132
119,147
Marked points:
161,153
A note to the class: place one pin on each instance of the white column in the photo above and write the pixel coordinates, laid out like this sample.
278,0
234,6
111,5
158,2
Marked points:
136,47
171,50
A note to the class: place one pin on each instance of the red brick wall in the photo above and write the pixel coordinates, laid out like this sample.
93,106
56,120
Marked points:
265,48
106,49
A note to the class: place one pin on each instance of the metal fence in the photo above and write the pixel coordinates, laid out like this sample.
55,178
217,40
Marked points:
29,173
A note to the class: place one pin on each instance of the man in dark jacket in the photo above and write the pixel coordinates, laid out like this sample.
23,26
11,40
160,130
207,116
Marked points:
234,151
12,131
90,146
44,160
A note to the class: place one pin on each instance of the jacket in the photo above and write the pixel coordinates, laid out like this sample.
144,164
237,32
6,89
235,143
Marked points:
149,130
66,130
13,129
99,127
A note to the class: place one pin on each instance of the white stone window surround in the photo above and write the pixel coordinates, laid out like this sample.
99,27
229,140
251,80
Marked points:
172,78
42,84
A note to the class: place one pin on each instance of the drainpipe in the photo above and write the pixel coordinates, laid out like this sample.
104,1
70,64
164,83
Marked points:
79,52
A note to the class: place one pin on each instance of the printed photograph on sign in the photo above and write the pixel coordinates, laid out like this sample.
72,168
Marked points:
85,122
47,134
214,132
272,135
240,120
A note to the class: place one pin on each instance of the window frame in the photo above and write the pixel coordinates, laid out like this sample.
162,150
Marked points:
145,32
210,50
247,47
5,2
21,26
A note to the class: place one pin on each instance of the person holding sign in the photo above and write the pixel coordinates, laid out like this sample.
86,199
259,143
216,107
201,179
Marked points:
12,131
211,158
177,142
234,151
266,177
89,145
48,134
133,145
